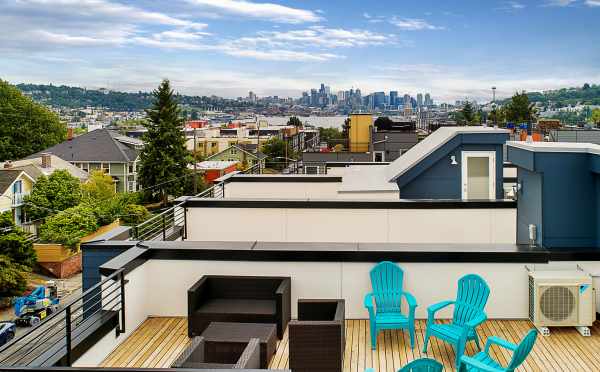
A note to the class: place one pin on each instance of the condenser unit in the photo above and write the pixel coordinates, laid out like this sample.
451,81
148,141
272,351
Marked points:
561,299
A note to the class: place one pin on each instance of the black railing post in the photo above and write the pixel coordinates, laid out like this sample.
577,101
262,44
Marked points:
68,333
184,223
135,232
122,301
164,231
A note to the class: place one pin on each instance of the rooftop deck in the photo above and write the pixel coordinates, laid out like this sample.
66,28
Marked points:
158,342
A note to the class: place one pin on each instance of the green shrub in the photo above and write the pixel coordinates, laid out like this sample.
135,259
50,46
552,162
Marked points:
134,214
13,281
6,219
69,226
56,192
18,248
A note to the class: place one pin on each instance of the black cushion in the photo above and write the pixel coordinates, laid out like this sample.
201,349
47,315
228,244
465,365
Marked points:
237,306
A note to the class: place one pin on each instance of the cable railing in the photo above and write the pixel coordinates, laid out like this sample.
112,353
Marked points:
54,339
171,223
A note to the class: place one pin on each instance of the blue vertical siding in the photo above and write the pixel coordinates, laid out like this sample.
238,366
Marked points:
564,189
92,258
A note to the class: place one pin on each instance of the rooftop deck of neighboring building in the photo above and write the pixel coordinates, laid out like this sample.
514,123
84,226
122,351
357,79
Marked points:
159,340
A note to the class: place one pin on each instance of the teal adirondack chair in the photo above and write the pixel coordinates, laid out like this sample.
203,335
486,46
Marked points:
482,361
419,365
471,297
386,281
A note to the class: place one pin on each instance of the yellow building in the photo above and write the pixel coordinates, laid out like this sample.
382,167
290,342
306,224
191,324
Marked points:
14,185
359,133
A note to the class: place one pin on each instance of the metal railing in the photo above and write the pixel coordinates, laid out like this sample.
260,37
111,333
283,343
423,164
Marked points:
171,223
56,336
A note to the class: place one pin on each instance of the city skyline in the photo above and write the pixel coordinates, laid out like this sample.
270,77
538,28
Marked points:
229,47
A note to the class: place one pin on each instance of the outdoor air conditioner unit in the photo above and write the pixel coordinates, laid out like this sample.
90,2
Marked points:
561,299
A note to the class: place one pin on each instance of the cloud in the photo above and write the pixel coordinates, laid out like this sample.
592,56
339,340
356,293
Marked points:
592,3
265,11
317,36
283,55
105,8
511,6
413,24
560,3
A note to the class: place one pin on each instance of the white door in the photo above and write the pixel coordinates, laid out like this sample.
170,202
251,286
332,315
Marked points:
478,174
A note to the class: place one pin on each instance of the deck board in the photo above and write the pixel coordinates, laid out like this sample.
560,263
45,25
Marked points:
160,340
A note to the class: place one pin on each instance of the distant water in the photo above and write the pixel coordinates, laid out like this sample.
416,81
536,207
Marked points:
317,121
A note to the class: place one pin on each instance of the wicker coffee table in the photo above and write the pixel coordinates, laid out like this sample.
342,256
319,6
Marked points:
223,338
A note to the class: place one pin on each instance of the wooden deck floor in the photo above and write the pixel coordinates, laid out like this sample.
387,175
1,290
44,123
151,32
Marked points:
158,342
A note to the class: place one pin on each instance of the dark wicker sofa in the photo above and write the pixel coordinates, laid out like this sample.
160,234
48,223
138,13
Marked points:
242,299
196,356
317,338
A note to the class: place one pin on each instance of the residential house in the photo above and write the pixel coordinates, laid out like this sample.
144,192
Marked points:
213,169
14,185
46,164
245,154
105,150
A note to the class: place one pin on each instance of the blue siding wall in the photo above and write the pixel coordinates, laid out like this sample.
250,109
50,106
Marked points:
569,197
529,205
439,179
92,259
563,188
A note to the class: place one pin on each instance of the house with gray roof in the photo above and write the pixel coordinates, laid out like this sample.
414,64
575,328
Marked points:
101,149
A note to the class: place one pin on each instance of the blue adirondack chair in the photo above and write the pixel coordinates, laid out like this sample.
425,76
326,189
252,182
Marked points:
482,361
471,297
386,281
419,365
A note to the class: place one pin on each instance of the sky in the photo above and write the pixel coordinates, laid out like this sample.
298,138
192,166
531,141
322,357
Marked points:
451,49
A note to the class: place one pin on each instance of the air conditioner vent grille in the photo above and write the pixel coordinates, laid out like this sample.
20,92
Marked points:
558,303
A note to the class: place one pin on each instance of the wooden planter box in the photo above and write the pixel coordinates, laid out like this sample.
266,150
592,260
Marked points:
61,261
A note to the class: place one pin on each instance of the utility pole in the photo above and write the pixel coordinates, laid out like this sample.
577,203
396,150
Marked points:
258,144
195,166
494,107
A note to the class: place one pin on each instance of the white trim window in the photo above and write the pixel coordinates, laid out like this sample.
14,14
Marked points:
478,174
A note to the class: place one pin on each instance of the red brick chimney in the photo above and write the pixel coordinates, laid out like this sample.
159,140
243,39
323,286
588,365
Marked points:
7,164
46,160
69,134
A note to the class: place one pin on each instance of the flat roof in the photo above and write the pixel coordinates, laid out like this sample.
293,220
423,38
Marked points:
589,148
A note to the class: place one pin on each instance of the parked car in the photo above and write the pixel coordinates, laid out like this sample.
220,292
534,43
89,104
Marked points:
7,332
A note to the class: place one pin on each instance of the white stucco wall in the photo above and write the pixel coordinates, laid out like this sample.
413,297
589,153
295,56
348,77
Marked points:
282,190
353,225
136,311
428,282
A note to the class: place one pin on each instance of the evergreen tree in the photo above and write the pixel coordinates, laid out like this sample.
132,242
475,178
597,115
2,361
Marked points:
519,109
165,158
468,113
294,121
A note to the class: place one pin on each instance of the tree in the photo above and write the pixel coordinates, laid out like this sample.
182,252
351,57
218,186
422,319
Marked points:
383,123
595,118
134,214
275,149
69,226
331,136
26,127
294,121
6,220
497,116
99,187
12,278
468,115
519,109
165,158
18,248
56,192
